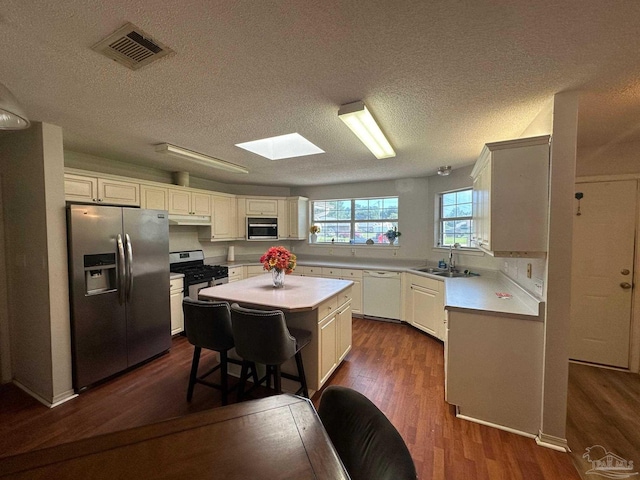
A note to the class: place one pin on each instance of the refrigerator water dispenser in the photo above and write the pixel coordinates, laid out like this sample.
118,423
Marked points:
100,273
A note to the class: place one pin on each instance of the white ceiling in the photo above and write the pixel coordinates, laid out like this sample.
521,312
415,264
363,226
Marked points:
442,78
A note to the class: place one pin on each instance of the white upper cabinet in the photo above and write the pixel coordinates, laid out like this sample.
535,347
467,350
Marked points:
265,207
223,219
298,209
510,197
156,198
80,188
185,202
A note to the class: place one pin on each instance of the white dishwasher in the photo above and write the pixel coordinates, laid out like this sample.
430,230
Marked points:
381,294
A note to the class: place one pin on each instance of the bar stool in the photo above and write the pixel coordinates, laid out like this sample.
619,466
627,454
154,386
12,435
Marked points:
262,336
208,325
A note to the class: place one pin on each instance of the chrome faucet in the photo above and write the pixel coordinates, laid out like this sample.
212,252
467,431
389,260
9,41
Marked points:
452,266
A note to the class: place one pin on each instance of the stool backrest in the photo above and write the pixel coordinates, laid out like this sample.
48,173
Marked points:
368,444
208,324
262,336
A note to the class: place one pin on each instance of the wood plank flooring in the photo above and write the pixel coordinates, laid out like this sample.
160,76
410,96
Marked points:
399,368
602,409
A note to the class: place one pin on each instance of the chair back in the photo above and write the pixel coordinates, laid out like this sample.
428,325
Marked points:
368,444
261,336
208,324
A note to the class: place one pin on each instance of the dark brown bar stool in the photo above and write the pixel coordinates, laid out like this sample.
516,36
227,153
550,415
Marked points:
208,325
262,336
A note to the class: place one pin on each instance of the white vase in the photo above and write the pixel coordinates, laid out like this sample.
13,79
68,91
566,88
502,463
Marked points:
314,237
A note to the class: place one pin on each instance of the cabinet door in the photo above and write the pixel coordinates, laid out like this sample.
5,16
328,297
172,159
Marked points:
78,188
283,220
177,315
344,321
424,309
200,203
222,221
116,192
262,206
327,330
156,198
179,202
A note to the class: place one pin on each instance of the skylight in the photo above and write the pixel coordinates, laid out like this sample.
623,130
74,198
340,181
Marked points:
280,147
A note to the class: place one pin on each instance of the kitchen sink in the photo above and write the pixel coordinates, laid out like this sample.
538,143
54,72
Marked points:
445,273
430,270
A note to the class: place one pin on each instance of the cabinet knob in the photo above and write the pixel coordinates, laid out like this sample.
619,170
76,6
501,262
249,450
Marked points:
625,285
625,271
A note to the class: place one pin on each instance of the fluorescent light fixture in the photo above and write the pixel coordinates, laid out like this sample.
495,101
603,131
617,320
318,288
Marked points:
444,171
199,158
290,145
11,115
362,123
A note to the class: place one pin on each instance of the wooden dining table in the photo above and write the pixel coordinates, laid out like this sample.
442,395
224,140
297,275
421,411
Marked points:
278,437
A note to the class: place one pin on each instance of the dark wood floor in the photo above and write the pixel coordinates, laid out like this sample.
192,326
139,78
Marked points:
603,409
397,367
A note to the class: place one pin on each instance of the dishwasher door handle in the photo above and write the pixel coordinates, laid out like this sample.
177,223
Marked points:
381,274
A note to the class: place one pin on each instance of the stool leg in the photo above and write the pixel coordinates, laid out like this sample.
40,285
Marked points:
224,377
277,381
243,379
303,378
194,372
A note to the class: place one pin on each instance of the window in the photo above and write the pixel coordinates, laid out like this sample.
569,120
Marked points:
455,223
356,220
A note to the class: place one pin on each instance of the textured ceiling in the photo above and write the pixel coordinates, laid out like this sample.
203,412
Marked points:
442,78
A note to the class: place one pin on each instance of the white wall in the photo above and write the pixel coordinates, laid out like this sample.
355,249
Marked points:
612,159
35,248
5,341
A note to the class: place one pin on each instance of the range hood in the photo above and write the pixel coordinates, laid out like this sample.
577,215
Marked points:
192,220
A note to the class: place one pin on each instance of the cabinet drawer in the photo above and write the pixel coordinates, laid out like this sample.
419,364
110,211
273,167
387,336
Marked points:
344,296
317,271
255,270
176,284
349,274
430,283
327,307
235,271
331,272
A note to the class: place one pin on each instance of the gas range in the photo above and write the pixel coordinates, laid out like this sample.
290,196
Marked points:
197,275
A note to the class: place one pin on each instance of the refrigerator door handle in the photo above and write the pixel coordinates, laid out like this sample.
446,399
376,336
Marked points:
129,266
121,273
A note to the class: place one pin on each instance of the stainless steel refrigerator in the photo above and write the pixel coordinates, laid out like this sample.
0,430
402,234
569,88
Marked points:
119,286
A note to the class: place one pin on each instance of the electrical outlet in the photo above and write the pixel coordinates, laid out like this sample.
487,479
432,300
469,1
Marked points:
331,251
395,252
353,252
528,270
506,267
538,283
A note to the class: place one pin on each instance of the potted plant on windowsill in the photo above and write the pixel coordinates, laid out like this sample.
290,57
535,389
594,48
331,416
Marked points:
314,230
392,234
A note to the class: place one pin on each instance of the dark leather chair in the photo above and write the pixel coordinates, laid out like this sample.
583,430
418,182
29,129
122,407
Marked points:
262,336
208,325
368,444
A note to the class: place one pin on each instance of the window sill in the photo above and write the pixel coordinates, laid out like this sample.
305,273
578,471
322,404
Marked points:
351,245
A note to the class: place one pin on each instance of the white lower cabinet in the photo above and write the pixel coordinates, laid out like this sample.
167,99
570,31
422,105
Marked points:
254,271
344,274
334,333
176,296
235,274
424,305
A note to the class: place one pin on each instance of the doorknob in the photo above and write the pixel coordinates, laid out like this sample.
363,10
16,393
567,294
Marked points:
624,271
625,285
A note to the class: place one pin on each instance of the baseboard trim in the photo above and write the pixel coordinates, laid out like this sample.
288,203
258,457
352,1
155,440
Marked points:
495,425
58,400
554,443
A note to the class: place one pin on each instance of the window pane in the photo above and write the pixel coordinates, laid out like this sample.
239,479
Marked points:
456,205
463,210
449,211
463,196
448,198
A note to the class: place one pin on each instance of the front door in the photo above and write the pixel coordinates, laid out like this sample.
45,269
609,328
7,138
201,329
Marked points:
602,272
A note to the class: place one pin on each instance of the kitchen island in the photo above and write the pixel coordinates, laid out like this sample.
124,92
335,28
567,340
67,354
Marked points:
319,305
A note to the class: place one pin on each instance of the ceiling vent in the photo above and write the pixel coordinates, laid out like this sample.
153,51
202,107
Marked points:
131,47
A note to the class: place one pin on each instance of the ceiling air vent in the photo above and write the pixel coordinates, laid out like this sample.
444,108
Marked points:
131,47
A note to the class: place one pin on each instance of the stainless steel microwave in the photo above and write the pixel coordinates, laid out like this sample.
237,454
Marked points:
262,228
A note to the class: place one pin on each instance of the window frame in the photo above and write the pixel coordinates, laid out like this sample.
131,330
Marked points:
352,221
440,220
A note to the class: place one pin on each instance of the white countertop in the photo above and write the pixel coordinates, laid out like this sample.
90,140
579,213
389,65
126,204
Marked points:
299,293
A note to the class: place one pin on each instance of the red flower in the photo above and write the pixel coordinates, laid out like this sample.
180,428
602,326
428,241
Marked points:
278,258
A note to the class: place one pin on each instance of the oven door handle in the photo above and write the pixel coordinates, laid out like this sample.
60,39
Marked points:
121,271
129,266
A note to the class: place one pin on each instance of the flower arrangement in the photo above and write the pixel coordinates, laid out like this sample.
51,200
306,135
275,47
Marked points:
314,229
392,234
278,258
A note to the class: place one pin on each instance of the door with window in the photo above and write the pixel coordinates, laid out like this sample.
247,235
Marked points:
602,272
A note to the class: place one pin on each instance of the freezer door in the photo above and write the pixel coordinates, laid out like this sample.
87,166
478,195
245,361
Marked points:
146,234
98,319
